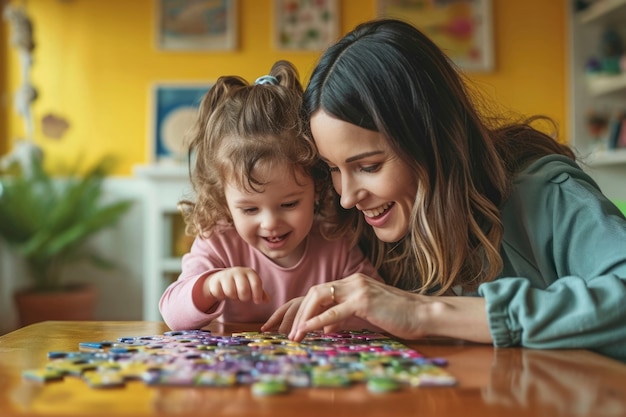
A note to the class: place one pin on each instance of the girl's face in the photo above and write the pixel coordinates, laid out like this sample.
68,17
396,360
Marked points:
367,174
277,220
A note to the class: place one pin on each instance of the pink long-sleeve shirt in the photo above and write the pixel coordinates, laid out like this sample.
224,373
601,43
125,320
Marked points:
323,261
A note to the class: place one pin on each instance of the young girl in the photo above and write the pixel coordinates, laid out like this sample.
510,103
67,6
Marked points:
259,242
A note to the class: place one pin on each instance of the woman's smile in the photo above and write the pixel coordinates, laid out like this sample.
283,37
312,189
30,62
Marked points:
371,213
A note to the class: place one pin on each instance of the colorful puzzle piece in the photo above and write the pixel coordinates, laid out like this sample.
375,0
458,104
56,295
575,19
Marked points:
268,362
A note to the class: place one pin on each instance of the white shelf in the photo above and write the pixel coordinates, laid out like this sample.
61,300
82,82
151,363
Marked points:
171,265
599,85
603,93
602,10
607,157
166,185
162,171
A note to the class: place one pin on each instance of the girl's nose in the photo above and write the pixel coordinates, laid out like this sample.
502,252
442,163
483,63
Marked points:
269,221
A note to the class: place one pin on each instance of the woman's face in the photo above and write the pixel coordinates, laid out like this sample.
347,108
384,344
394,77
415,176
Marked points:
367,174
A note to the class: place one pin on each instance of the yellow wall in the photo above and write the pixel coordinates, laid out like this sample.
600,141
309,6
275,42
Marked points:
532,59
95,64
4,96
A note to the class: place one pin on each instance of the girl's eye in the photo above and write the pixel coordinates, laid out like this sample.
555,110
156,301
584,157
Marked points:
249,210
370,168
290,204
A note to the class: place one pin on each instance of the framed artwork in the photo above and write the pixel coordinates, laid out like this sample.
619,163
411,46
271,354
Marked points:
461,28
305,25
175,108
196,25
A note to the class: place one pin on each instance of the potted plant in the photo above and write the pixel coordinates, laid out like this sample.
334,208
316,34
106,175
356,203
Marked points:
48,221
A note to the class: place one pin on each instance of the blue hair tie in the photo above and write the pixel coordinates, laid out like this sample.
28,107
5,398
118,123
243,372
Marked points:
266,79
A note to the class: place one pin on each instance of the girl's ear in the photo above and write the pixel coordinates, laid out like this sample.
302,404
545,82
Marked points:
316,204
316,207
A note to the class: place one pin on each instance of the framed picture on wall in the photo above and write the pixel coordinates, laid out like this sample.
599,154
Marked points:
196,25
174,109
304,24
461,28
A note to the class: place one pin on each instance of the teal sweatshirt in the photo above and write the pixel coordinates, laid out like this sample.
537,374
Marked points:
564,251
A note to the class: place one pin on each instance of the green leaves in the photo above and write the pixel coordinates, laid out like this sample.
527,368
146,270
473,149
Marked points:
48,221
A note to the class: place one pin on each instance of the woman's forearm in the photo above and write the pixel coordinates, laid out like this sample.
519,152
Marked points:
458,317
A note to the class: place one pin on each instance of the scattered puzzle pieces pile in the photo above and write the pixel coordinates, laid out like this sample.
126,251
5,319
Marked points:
269,362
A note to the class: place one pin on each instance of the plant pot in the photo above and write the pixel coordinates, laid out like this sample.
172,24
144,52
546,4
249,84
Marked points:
76,302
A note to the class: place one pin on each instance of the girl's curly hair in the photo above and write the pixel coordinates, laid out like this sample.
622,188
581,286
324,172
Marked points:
239,127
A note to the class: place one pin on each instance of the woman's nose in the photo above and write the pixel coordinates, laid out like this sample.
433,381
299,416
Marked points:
349,192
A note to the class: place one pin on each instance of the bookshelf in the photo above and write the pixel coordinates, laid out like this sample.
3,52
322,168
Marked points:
604,93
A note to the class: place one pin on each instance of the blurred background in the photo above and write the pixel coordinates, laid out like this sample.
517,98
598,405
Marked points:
117,78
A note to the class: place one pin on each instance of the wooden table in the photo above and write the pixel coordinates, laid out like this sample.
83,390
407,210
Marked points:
492,382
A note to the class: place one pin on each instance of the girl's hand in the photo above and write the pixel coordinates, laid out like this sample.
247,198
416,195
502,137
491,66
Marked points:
237,283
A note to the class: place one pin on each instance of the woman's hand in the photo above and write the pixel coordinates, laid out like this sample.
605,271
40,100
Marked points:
386,307
398,312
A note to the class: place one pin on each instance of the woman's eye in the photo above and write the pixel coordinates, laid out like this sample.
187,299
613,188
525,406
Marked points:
333,169
370,168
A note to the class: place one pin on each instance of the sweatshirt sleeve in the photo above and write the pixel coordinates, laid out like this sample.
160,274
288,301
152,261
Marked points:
176,304
564,281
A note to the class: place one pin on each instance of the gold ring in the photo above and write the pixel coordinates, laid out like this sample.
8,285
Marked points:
332,293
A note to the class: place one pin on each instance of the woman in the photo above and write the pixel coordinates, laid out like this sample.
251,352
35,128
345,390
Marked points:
494,218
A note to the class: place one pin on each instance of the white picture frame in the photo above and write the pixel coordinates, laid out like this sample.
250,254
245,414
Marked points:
196,25
463,29
304,25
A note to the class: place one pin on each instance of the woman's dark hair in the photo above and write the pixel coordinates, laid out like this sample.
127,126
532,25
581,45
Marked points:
387,76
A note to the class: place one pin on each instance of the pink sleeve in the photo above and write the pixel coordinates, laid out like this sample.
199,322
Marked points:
176,304
357,262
